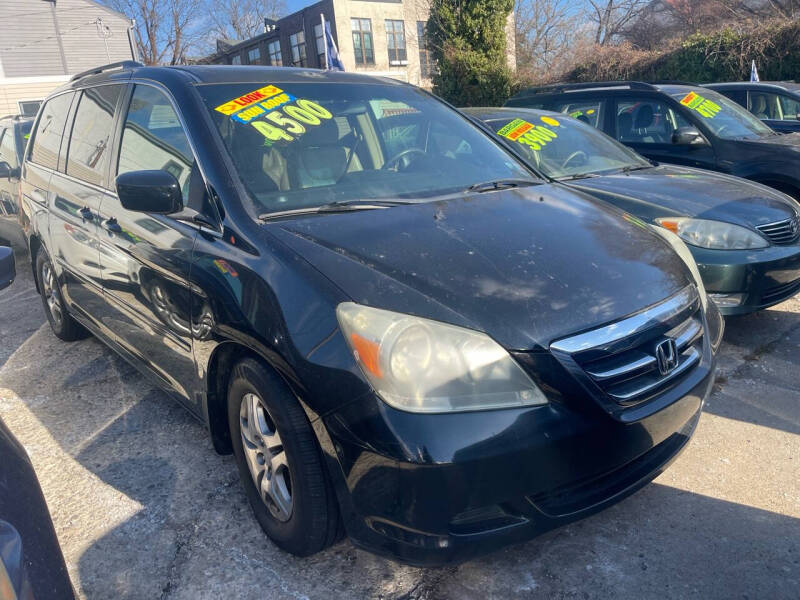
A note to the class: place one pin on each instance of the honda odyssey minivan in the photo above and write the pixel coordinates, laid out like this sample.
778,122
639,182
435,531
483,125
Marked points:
398,329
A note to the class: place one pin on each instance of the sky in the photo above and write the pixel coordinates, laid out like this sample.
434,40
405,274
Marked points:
295,5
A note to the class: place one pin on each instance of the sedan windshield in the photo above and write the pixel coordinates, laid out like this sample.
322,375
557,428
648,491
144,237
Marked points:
304,145
562,147
722,116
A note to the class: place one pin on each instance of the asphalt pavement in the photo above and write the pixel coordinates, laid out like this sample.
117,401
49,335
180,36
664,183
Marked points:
144,508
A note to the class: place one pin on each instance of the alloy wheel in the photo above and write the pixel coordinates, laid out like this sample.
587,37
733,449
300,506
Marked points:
266,457
51,293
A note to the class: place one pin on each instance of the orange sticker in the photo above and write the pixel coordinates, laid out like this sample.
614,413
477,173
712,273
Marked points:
248,99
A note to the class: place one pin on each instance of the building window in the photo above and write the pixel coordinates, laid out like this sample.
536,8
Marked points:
319,36
29,108
254,56
236,60
274,51
298,43
362,41
396,42
426,61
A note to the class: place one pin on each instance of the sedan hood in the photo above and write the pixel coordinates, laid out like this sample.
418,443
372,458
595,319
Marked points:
527,265
683,191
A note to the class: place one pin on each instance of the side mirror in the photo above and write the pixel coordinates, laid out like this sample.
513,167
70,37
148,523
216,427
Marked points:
688,136
8,270
150,192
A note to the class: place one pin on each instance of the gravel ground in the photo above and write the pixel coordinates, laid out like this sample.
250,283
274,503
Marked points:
144,508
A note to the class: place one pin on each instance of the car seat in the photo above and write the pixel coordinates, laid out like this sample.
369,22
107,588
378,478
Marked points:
625,126
320,156
760,107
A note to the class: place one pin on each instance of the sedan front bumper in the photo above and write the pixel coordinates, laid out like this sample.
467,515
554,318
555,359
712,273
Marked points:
764,277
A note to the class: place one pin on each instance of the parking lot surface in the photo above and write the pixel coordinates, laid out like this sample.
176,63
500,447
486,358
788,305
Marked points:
144,508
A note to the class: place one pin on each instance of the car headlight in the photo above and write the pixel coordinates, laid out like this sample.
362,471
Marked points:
420,365
686,255
716,235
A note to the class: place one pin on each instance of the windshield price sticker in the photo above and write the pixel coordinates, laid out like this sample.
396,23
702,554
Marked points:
532,135
702,105
275,114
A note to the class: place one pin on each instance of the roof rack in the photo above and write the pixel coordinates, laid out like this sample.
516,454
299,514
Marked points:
676,82
123,64
566,87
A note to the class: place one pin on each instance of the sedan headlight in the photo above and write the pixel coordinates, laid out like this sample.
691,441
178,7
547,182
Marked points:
686,255
425,366
716,235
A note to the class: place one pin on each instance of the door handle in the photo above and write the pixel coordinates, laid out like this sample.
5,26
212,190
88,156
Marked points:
86,213
112,225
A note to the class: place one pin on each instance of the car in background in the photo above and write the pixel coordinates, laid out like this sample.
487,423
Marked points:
679,124
14,132
777,103
368,300
744,236
31,564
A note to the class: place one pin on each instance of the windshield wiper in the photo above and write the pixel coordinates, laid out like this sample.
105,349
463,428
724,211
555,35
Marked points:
333,207
630,168
577,176
499,184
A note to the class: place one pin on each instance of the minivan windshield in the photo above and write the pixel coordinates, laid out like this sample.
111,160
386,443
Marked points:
305,145
562,147
722,116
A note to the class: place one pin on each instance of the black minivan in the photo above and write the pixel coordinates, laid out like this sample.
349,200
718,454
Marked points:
680,124
399,330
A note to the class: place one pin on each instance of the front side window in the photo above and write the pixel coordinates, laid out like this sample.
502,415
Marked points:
721,115
590,112
89,144
775,107
362,41
50,131
562,147
396,42
302,145
647,121
790,108
298,43
8,148
274,50
254,56
153,138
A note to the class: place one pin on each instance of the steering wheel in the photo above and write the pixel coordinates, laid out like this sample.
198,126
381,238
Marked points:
573,156
403,154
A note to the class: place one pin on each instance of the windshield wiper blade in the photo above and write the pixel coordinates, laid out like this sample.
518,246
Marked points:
499,184
630,168
332,207
577,176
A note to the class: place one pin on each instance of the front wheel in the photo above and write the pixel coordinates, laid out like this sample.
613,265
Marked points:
279,461
61,322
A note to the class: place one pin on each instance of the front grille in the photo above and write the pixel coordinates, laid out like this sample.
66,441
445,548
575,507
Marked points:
782,232
620,362
781,292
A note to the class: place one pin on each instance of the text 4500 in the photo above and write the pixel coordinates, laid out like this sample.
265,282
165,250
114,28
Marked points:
290,121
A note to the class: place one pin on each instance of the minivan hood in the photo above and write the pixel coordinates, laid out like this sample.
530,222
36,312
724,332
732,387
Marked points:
526,265
684,191
777,141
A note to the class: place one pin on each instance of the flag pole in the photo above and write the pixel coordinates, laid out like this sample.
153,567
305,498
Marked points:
324,39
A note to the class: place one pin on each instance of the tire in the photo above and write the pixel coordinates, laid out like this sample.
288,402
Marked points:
276,452
61,322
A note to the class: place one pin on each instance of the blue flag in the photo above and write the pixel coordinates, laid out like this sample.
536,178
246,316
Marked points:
753,72
334,62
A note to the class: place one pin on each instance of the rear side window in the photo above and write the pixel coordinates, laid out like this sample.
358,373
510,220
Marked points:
590,112
91,133
50,130
154,139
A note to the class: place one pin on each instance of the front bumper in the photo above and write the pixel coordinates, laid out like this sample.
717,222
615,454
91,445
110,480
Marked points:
435,489
765,276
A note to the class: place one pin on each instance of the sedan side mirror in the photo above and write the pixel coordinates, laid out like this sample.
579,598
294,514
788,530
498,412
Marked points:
8,270
150,192
7,171
688,136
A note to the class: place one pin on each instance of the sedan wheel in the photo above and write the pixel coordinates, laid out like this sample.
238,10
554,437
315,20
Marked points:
61,322
266,458
51,295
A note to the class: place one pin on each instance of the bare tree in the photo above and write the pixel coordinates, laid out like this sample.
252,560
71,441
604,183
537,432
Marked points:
542,32
242,19
165,29
611,17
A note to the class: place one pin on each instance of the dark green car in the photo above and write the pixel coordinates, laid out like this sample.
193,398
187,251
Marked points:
744,236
